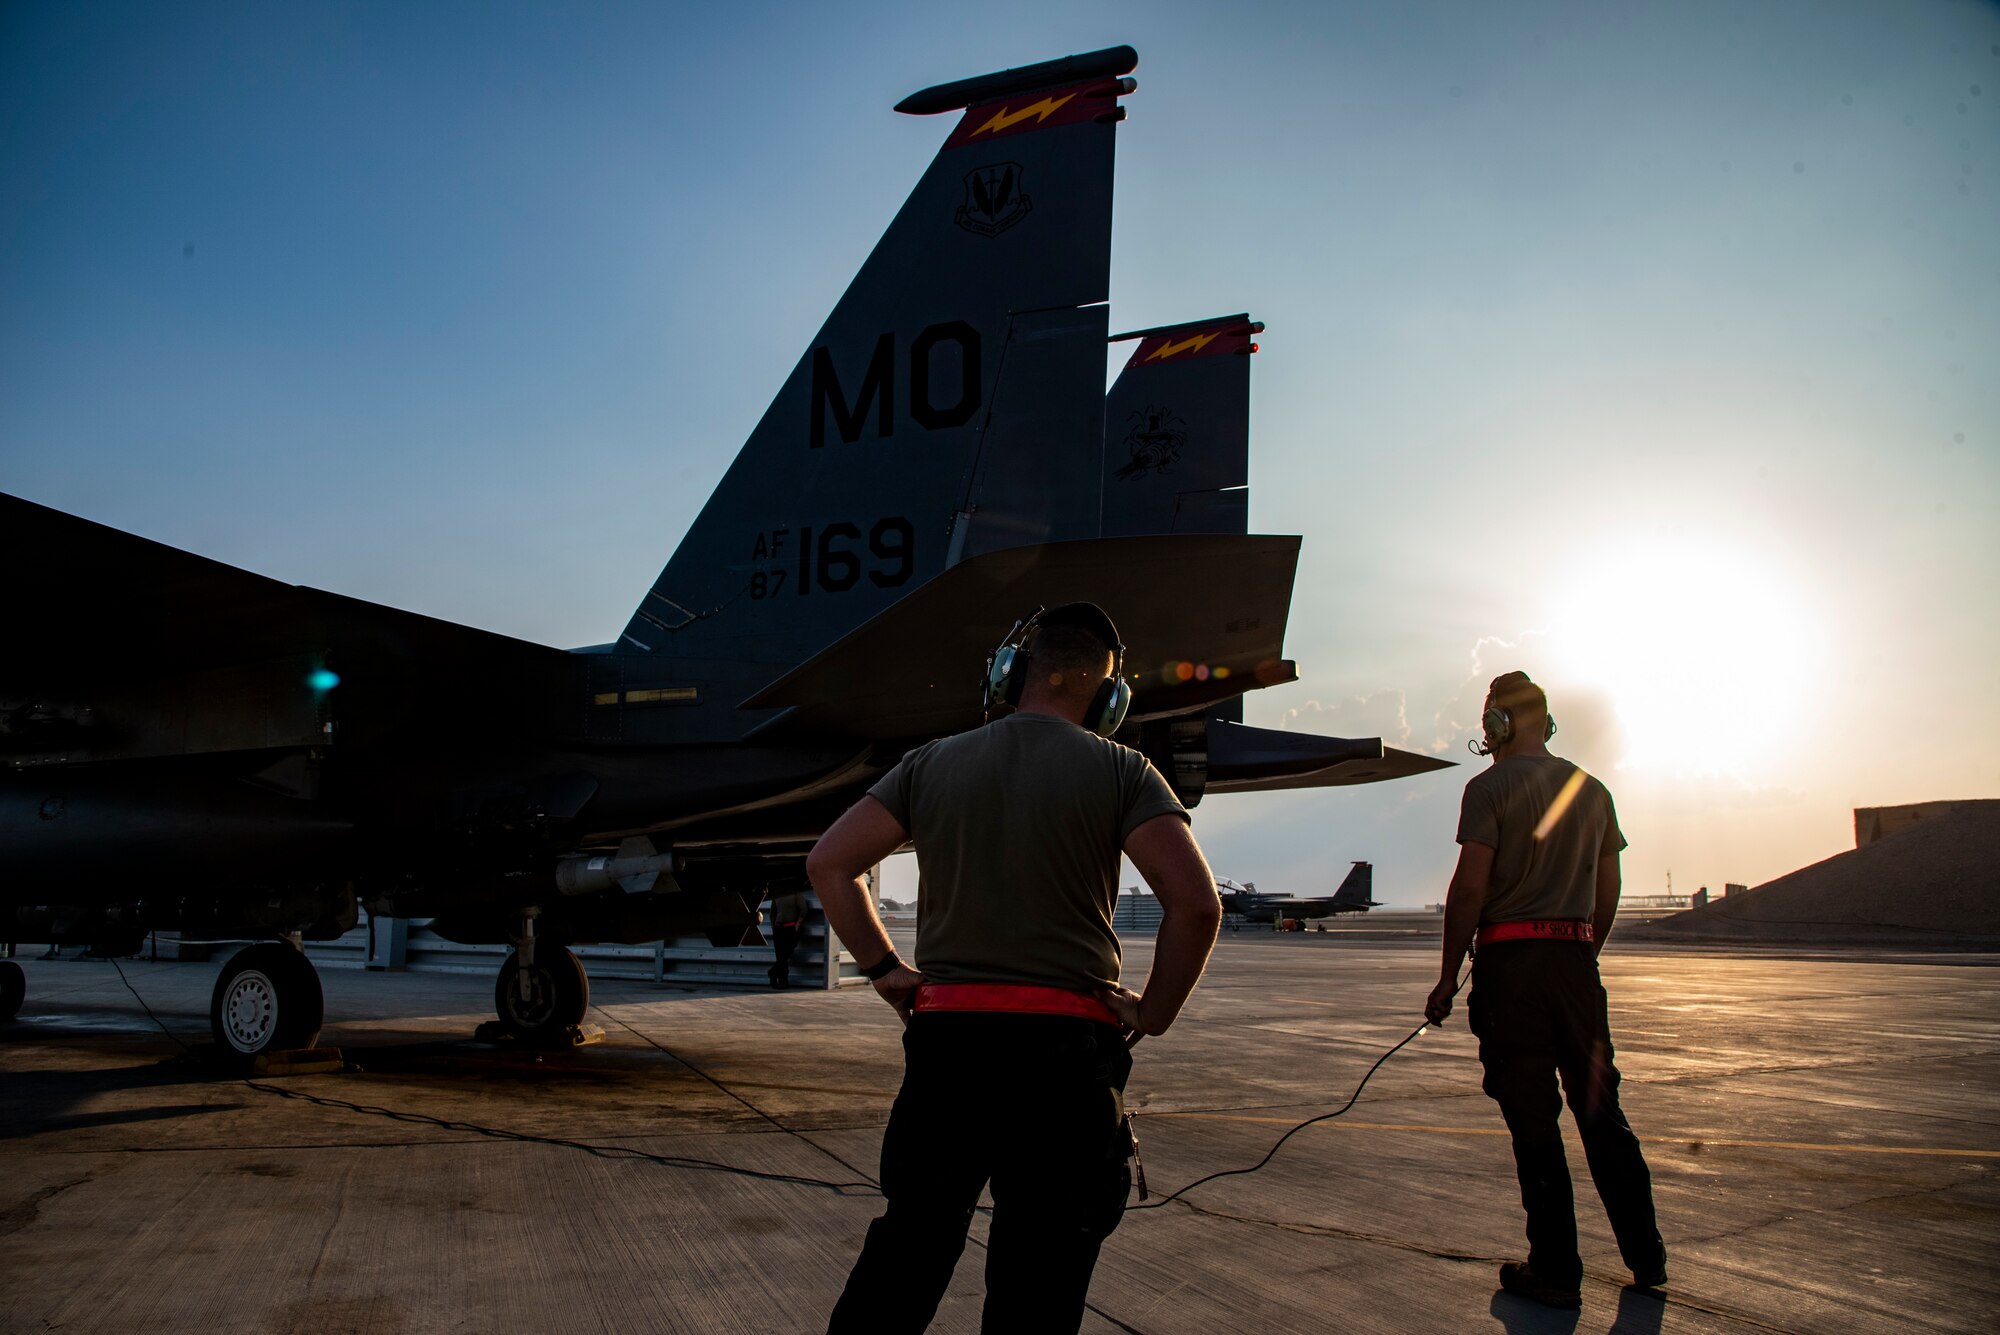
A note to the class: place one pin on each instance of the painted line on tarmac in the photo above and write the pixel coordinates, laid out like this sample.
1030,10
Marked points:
1811,1146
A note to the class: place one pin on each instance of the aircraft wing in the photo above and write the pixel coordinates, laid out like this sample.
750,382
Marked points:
82,595
1243,759
1203,617
140,649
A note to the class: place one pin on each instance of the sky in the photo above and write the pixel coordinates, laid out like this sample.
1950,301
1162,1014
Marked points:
1648,348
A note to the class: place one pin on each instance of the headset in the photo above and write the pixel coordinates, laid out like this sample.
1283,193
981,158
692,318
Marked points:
1498,724
1007,666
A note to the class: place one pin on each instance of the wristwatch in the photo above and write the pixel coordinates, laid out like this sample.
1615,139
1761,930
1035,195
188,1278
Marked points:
883,967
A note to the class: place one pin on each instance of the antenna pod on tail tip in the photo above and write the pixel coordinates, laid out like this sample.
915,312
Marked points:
1108,63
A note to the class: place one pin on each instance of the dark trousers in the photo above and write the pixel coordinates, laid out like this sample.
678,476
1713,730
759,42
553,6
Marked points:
1538,1008
1031,1104
785,940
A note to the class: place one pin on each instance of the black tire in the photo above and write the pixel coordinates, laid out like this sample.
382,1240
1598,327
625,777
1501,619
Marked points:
267,999
13,989
558,994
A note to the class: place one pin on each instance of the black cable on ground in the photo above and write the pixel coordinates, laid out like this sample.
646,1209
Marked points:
498,1133
976,1242
798,1135
1310,1121
148,1009
596,1151
839,1188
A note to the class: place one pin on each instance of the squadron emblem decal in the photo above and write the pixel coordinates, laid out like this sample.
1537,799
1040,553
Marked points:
1157,437
994,200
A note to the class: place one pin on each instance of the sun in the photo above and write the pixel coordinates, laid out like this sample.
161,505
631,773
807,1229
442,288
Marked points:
1705,648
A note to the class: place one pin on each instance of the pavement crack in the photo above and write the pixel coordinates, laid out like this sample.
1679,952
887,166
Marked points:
1794,1068
1467,1258
1333,1231
1728,1235
18,1216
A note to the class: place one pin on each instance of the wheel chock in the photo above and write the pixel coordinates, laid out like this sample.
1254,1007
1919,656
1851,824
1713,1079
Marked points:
299,1061
569,1036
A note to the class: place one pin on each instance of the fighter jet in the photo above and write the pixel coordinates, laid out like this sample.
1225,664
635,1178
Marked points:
1355,895
191,746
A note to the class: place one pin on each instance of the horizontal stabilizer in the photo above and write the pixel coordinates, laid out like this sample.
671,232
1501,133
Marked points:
1243,759
1203,618
1105,64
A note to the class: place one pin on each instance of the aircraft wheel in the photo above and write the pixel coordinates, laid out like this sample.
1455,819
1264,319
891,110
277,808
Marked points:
558,993
267,999
13,989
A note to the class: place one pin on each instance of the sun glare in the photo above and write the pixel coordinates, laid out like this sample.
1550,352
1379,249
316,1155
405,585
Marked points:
1705,651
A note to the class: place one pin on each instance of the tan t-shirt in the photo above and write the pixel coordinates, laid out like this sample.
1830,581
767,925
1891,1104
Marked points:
1553,873
1018,827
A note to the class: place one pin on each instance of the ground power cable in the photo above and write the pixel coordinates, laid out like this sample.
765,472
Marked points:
867,1183
1272,1153
976,1242
521,1137
790,1131
843,1189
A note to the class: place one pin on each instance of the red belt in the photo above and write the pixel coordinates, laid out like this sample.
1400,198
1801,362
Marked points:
1537,929
1013,998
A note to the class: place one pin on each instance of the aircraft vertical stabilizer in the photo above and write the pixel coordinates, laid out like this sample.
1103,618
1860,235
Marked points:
969,334
1177,437
1358,890
1177,431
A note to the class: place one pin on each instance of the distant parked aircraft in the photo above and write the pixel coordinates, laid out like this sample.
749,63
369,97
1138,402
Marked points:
1355,895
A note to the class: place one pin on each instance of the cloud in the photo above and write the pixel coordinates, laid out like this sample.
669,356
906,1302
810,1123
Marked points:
1457,719
1382,713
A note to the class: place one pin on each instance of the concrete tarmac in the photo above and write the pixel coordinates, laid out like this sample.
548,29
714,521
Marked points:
1824,1135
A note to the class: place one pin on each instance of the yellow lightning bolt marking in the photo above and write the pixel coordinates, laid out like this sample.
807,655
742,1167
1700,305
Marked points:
1194,344
1041,111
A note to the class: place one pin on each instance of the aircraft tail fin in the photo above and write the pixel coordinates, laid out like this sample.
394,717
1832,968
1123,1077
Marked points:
970,338
1358,890
1177,430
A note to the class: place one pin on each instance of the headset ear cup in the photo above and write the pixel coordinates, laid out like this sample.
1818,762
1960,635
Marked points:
1109,705
1005,674
1498,724
1549,727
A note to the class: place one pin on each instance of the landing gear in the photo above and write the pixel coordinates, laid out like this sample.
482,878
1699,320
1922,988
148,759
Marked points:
13,989
544,998
267,999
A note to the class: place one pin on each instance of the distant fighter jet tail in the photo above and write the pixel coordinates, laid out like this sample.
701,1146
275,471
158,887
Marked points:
1358,890
914,431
